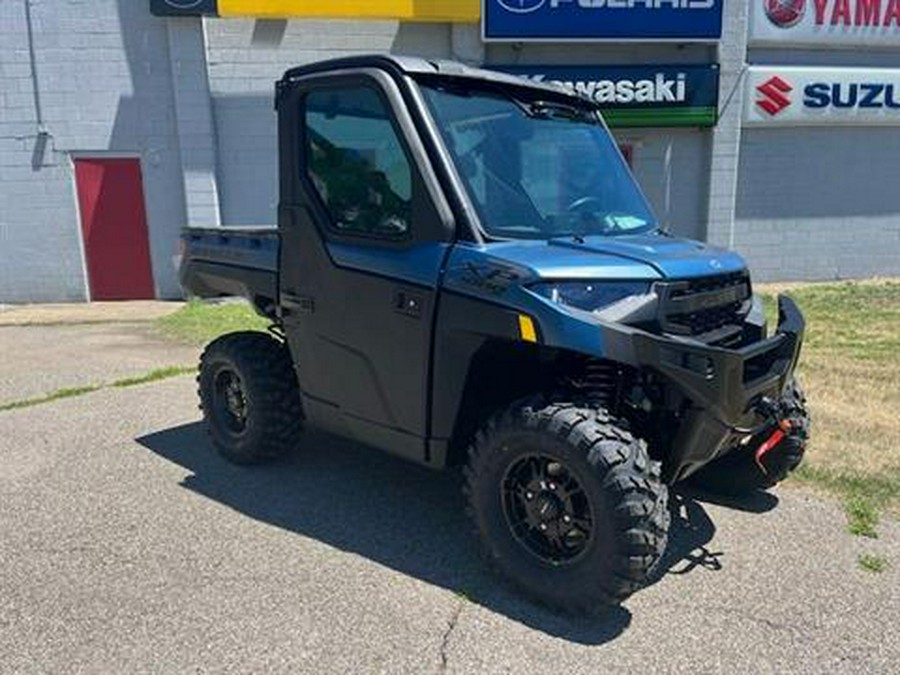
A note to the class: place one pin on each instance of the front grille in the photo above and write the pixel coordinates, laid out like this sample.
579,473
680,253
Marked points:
710,307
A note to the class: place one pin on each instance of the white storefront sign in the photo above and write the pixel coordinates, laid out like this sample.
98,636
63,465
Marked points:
825,23
799,96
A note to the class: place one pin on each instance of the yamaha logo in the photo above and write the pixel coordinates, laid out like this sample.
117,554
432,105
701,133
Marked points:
774,93
785,13
521,6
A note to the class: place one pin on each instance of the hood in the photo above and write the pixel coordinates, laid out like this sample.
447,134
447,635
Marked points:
671,258
646,256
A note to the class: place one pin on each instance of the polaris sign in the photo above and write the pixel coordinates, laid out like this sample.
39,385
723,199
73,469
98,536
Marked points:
639,96
825,23
588,20
792,96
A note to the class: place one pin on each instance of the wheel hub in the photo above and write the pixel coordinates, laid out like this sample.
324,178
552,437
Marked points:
546,509
231,400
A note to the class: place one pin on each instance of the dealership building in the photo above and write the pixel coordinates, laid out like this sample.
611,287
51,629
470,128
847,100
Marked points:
768,126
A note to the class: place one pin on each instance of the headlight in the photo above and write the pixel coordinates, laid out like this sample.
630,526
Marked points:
590,296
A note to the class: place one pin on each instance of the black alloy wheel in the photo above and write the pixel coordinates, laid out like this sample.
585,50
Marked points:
230,401
547,509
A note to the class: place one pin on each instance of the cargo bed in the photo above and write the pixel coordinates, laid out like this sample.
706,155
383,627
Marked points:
225,261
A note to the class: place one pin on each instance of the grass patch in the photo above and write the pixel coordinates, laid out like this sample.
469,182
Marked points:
153,376
873,563
862,517
850,368
199,322
48,398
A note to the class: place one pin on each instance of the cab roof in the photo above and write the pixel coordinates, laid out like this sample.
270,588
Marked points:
432,69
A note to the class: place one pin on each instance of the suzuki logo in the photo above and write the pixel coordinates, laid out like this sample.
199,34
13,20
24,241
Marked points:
785,13
521,6
774,92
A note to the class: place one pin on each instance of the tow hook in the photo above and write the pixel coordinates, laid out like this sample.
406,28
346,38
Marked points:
783,429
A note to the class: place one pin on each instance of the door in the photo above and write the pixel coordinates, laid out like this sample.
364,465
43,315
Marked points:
362,248
114,228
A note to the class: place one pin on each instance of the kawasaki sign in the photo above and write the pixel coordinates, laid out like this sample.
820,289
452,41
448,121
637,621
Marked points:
639,96
794,96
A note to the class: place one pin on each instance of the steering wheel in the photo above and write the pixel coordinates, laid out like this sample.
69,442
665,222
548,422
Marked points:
581,202
606,220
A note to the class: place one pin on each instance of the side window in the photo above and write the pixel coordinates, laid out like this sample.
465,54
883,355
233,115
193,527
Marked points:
356,162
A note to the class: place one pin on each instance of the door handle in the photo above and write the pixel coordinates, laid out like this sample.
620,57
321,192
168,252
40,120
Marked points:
408,303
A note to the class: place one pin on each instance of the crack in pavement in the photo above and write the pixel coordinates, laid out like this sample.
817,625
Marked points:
451,626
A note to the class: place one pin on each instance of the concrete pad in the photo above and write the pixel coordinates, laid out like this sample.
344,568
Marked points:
39,359
129,546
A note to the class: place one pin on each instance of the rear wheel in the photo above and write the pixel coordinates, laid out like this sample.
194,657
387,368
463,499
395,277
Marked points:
249,397
739,473
567,503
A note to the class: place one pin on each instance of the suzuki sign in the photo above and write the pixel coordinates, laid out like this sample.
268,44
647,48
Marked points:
588,20
794,96
825,23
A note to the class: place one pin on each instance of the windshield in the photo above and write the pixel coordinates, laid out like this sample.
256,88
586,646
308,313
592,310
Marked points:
538,170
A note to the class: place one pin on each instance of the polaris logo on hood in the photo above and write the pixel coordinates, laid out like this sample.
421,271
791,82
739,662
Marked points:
659,89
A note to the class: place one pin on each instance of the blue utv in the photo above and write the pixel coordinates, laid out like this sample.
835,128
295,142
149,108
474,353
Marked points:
465,272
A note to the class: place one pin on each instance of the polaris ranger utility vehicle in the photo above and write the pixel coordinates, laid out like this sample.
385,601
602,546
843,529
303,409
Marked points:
465,272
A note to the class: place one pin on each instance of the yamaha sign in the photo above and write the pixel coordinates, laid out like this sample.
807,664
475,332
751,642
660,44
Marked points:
589,20
825,23
793,96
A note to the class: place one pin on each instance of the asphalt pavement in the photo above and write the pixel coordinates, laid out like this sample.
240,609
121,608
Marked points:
127,545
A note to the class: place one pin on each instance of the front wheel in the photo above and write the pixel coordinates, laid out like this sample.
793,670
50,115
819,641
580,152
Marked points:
567,503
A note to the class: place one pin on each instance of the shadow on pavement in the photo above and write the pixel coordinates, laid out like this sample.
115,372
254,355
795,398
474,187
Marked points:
400,515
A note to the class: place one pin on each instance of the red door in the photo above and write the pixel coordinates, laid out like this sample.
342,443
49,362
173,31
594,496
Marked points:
114,228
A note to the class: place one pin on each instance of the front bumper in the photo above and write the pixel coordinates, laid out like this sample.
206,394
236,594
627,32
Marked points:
723,385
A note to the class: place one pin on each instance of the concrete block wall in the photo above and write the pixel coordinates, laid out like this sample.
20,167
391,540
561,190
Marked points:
818,203
193,100
104,85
